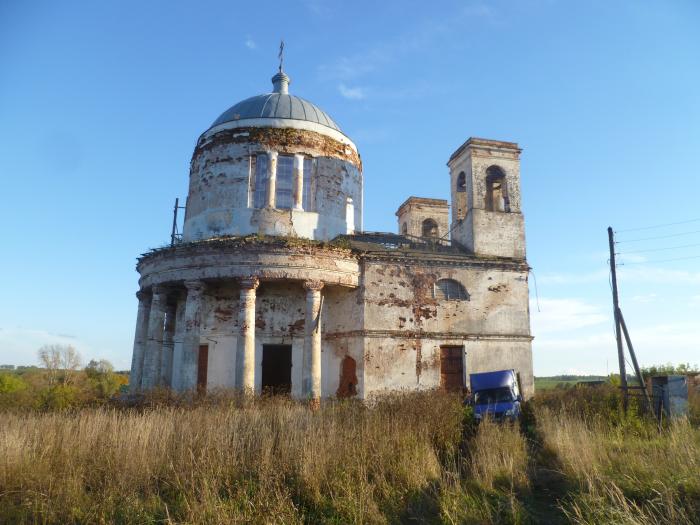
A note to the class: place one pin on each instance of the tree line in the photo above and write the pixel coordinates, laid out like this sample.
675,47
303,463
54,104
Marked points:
60,382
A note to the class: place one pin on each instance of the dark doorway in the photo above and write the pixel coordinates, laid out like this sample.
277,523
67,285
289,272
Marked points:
452,368
202,368
277,369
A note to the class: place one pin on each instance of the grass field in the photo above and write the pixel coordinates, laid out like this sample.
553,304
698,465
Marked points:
414,458
547,383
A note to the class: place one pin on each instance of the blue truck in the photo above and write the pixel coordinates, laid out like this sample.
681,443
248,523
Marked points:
495,394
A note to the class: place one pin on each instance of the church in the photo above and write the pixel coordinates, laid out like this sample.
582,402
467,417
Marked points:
275,287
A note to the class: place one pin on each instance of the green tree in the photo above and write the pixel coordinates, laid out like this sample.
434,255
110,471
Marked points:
102,379
11,383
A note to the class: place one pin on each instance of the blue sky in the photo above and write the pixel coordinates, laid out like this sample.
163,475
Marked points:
101,105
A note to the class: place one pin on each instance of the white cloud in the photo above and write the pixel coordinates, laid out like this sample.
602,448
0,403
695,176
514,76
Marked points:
573,278
429,32
643,274
355,93
19,346
250,43
653,274
644,298
558,315
350,68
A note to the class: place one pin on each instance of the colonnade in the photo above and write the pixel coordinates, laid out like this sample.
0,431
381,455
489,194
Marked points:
152,362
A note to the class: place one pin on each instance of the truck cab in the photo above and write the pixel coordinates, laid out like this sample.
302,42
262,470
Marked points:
495,394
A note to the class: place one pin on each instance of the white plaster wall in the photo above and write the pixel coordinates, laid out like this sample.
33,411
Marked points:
405,327
220,196
222,360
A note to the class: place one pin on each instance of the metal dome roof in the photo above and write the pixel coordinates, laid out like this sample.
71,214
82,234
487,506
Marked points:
277,105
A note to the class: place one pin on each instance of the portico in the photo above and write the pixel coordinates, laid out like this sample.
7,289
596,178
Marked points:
156,364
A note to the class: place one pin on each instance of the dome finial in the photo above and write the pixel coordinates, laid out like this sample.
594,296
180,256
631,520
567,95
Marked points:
281,54
280,81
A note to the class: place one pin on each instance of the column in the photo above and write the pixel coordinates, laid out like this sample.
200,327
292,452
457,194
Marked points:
298,189
312,343
166,363
191,332
154,345
140,338
271,178
245,349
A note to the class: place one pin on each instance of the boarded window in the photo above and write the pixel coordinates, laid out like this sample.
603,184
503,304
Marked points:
202,367
283,185
260,186
451,368
450,290
307,190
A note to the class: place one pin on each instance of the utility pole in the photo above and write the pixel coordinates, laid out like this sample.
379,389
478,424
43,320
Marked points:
618,313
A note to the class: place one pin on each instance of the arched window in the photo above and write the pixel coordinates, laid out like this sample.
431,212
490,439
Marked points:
496,190
461,182
404,228
450,290
430,229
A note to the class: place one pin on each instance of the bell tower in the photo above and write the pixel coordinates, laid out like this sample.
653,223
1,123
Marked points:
485,189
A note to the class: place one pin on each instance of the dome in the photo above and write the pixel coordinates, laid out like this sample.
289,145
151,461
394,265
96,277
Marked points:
277,105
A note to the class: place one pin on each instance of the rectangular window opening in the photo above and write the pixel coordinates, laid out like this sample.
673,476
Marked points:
260,184
307,190
285,175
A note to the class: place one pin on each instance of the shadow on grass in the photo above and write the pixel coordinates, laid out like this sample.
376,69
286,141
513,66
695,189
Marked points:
549,486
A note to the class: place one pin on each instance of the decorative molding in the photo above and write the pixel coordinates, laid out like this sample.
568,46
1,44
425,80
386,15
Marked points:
315,286
249,283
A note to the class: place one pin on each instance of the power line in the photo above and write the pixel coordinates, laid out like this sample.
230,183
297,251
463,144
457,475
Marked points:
657,226
659,237
659,249
661,260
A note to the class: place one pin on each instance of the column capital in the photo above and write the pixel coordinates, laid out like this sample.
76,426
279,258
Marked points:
159,296
314,286
194,287
143,296
250,283
272,154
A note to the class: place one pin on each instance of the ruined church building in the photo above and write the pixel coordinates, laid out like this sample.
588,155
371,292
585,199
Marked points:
275,287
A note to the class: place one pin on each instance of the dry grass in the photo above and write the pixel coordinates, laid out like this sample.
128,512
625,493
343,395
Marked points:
276,462
626,474
410,458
